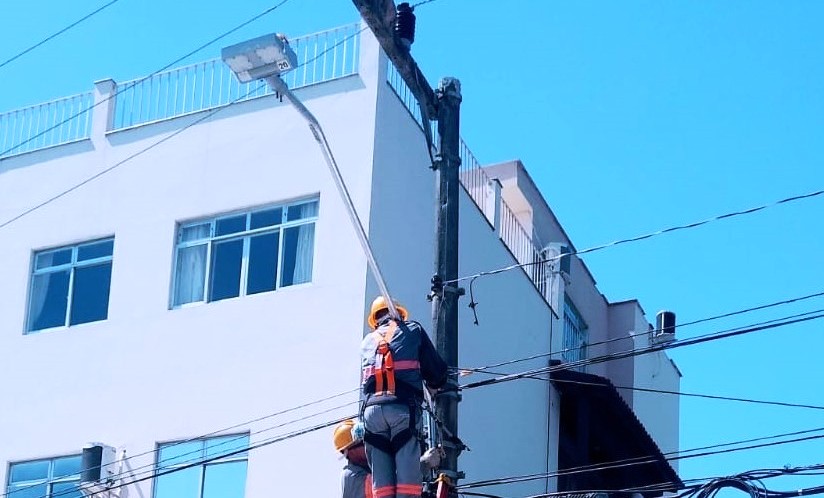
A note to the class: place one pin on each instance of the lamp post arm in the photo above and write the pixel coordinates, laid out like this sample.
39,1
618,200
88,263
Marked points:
279,86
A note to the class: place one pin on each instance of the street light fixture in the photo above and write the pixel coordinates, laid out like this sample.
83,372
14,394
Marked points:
267,58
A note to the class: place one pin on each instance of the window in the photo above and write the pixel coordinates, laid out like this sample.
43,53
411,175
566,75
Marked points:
55,477
70,285
245,253
222,475
575,335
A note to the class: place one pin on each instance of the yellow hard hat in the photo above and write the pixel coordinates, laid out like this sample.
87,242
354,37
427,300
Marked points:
343,435
379,304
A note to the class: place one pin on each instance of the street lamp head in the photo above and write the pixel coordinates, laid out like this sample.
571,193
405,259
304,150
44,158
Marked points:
261,57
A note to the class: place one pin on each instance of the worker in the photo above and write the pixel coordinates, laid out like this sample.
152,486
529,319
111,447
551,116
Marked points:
398,362
356,479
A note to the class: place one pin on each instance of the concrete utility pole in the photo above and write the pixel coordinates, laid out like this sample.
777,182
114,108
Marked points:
443,106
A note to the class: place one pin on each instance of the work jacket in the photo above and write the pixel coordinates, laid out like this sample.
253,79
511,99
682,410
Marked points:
415,361
355,481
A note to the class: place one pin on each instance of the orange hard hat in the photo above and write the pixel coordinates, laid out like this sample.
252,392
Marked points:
378,305
343,435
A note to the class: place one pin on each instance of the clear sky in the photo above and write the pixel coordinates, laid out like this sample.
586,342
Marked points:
630,116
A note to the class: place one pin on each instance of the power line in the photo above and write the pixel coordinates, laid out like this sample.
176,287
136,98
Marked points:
674,393
223,430
266,442
136,82
57,33
649,349
206,116
640,237
643,460
638,332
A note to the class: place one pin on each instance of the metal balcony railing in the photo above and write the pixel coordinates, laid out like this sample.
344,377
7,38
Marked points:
322,57
43,125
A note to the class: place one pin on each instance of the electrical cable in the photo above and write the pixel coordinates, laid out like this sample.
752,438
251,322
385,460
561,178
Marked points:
200,461
261,444
207,115
638,332
138,81
674,393
57,33
219,431
640,237
755,475
422,2
652,348
643,460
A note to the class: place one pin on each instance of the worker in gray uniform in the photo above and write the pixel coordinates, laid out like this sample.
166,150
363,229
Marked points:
356,479
398,361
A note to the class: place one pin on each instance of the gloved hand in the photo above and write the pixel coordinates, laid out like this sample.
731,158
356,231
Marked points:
358,431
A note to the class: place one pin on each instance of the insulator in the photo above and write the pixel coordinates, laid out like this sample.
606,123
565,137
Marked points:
405,24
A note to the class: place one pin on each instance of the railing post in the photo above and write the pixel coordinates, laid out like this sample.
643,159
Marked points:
497,205
103,110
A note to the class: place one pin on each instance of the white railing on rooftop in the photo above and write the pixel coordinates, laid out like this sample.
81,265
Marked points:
482,191
322,57
43,125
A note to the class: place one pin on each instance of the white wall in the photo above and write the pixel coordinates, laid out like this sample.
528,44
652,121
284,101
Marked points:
149,374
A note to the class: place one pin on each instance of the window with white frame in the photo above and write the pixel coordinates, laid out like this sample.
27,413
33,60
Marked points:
575,335
202,468
70,285
47,478
245,253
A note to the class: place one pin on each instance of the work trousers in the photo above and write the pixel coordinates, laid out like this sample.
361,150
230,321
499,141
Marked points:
398,475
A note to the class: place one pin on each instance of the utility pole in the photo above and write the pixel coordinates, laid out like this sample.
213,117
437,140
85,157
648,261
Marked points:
443,106
445,296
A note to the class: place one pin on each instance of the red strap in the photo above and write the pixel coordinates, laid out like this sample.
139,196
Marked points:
384,369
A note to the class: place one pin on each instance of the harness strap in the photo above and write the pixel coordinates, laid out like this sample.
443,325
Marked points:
384,369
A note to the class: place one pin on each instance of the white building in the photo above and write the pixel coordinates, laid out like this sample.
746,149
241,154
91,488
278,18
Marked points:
203,284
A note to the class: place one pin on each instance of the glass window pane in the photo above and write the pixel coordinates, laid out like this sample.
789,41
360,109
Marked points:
229,444
190,274
53,258
234,224
96,250
29,471
90,295
226,261
67,466
180,453
300,211
28,491
267,218
180,484
48,301
225,480
195,232
263,263
298,253
65,490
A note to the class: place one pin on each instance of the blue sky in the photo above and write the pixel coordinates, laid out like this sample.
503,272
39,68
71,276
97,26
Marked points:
630,116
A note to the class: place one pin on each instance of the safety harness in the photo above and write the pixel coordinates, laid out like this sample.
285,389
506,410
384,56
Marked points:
384,374
384,364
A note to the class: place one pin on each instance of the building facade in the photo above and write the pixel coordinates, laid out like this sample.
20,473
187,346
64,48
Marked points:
181,283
